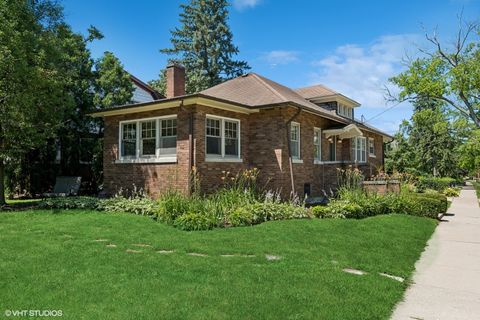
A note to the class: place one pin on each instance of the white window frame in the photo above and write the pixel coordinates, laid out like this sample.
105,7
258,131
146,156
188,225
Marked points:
296,159
357,146
345,111
317,132
223,157
138,158
371,145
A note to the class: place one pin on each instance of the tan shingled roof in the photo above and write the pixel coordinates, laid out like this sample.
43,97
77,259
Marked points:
254,90
315,91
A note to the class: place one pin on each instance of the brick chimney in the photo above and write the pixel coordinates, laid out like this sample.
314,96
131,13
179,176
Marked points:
175,80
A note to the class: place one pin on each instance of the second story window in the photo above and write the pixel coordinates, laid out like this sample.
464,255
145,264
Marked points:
295,140
345,111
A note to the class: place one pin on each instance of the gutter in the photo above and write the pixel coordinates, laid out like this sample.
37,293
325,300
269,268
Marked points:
290,160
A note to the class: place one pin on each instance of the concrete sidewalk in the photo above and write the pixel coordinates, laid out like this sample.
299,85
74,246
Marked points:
446,284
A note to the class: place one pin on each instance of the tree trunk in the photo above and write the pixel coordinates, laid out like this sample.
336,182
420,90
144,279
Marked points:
2,183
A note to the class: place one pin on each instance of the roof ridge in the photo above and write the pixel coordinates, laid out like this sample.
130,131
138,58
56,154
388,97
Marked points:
269,87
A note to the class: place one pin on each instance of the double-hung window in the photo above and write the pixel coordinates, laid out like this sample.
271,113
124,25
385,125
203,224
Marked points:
317,144
371,147
148,140
129,140
359,149
222,138
295,140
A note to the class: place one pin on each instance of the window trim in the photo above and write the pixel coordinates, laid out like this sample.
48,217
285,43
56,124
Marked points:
222,157
345,111
316,130
371,142
139,158
355,160
299,158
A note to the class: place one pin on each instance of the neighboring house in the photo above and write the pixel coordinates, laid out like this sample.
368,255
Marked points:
296,138
143,92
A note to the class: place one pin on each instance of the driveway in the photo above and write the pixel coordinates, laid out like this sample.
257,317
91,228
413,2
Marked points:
446,284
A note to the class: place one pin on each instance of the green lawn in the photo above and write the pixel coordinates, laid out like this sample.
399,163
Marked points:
476,185
51,261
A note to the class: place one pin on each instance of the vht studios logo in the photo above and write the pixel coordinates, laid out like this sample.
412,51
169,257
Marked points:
33,313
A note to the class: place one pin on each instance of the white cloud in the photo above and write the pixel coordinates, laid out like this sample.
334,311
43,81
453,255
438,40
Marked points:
245,4
362,72
278,57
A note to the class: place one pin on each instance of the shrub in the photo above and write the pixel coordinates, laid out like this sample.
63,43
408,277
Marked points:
172,205
88,203
427,205
242,216
135,205
339,209
451,192
192,221
438,184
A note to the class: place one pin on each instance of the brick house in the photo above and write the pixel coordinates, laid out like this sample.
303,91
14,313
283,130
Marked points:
296,138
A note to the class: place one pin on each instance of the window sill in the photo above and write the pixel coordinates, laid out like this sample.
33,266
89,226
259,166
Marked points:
171,159
372,156
297,161
219,159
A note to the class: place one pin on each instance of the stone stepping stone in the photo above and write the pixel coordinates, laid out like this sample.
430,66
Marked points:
143,245
100,240
165,251
271,257
111,245
229,255
196,254
133,251
354,271
399,279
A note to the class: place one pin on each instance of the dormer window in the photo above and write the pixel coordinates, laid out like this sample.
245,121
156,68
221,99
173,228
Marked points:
345,111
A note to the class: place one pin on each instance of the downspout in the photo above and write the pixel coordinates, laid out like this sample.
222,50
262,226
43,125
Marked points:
290,161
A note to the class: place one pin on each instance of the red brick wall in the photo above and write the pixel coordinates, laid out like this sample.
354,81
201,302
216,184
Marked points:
154,178
263,145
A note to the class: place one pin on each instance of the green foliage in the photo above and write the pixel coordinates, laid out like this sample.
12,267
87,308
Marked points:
113,86
349,179
437,184
359,204
192,221
87,203
33,97
136,205
451,192
203,44
426,145
447,74
338,209
469,153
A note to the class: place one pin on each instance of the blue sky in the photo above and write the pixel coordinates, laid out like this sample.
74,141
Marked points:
350,46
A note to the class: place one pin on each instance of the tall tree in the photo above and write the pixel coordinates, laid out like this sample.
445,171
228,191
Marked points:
204,45
32,99
113,86
449,74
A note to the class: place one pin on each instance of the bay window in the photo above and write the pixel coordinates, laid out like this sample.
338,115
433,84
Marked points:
359,149
148,140
222,138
